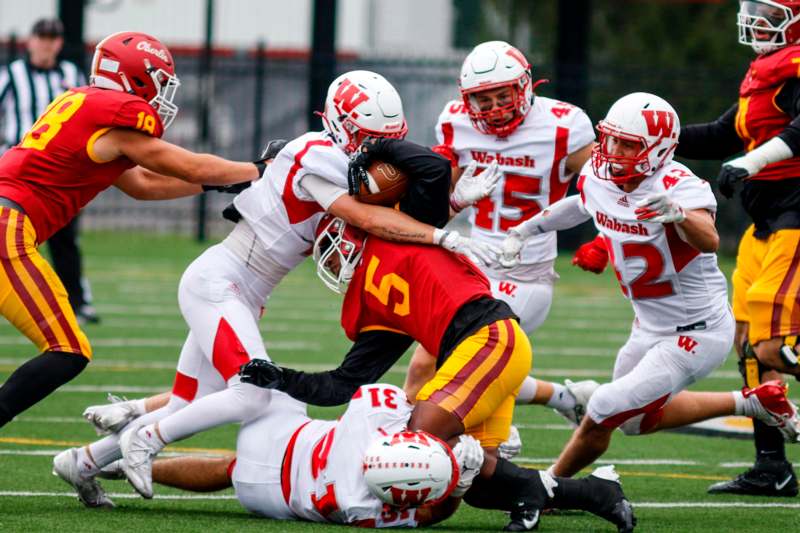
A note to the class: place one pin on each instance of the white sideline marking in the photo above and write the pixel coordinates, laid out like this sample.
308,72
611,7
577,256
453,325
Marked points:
629,462
639,505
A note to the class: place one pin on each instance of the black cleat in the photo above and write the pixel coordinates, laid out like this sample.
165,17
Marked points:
611,503
766,478
523,519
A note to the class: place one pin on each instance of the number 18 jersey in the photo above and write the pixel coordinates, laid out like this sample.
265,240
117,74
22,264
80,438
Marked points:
670,283
533,162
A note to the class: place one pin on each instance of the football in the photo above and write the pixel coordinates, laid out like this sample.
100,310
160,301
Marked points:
386,185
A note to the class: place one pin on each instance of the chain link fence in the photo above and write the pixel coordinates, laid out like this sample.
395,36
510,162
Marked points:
260,96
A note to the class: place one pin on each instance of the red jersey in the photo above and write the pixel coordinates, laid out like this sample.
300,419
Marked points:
53,172
759,118
411,289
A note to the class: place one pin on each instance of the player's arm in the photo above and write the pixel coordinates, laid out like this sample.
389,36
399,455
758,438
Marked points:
168,159
373,353
695,226
143,184
711,140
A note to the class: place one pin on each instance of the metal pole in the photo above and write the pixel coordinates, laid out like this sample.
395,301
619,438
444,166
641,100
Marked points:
204,110
71,13
323,57
572,52
258,103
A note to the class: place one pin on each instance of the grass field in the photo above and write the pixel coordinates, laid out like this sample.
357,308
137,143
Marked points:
135,278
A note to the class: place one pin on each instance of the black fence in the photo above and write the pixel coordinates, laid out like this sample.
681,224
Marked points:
257,95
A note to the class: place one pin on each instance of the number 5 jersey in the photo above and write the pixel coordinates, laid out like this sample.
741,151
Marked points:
671,284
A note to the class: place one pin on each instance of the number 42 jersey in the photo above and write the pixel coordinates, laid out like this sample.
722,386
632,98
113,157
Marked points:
533,162
670,283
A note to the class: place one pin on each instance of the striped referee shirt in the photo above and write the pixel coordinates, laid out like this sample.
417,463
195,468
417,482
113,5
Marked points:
26,90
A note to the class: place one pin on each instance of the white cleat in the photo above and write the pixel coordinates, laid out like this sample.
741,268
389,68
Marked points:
111,417
581,391
90,493
137,460
112,471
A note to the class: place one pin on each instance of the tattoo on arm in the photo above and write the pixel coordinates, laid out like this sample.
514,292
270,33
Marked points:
402,236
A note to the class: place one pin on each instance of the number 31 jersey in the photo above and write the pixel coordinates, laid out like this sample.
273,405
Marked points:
533,162
669,283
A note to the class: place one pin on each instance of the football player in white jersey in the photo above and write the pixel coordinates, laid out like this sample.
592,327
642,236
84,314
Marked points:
364,469
222,292
539,144
657,220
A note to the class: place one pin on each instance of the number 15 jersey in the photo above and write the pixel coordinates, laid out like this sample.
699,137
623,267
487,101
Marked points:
533,162
670,283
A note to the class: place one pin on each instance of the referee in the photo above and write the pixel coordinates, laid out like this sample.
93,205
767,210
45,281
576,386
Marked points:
26,87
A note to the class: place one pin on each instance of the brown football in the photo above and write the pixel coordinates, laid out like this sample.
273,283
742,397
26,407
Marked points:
387,185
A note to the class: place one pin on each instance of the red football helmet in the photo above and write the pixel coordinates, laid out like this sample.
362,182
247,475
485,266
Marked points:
139,64
769,25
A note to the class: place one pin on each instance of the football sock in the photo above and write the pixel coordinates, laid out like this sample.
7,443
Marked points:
562,399
527,392
769,442
240,402
509,488
35,380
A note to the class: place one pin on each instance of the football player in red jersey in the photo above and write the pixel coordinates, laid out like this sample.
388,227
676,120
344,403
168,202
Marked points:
400,293
766,124
88,139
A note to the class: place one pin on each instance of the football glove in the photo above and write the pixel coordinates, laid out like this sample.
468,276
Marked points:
469,456
369,150
511,447
472,187
592,256
480,253
509,257
659,208
113,416
729,176
750,164
262,373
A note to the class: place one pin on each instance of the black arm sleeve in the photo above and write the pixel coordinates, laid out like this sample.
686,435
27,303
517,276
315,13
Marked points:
373,353
789,101
428,196
712,140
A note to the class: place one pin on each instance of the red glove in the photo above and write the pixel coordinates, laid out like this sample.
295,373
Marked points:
592,256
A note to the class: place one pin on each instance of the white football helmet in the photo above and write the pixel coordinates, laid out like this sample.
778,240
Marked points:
491,65
642,118
337,251
362,104
410,469
769,25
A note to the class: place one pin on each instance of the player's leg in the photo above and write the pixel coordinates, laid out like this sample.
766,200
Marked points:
196,474
34,300
67,262
771,474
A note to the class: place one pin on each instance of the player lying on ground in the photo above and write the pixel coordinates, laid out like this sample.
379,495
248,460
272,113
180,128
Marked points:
539,144
657,221
288,466
222,292
88,139
400,293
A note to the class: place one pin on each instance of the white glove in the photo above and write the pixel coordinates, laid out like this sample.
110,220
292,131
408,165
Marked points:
471,187
509,257
511,448
469,456
112,417
480,253
659,208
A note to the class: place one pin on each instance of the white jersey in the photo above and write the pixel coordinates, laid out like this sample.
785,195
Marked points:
327,477
533,162
670,284
283,215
